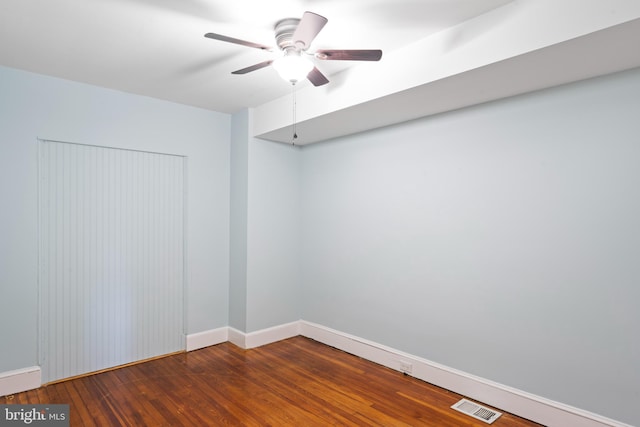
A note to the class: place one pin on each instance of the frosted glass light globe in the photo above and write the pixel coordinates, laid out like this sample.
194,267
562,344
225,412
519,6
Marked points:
293,67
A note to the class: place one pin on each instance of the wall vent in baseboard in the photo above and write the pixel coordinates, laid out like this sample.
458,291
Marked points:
476,411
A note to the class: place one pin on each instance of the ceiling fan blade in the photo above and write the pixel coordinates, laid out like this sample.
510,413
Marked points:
253,67
307,30
317,78
349,55
237,41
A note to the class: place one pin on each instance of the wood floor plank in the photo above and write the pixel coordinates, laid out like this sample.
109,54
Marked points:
296,382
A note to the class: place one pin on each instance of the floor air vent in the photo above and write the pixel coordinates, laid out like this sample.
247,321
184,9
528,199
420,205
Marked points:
476,411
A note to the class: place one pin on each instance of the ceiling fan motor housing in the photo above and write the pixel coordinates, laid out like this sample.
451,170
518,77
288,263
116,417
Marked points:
284,30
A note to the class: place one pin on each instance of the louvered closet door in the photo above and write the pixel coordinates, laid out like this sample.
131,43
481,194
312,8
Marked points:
111,257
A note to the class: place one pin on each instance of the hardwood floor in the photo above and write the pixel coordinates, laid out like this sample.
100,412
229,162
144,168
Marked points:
297,382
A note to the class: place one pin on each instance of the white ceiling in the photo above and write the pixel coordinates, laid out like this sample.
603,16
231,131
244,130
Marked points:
438,54
156,47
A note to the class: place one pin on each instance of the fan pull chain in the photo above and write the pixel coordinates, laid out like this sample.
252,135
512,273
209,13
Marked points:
295,124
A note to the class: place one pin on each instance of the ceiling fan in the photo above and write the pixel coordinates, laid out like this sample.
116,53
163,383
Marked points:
294,37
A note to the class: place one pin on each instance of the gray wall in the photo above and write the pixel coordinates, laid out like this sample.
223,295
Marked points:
265,220
273,232
238,221
34,106
502,240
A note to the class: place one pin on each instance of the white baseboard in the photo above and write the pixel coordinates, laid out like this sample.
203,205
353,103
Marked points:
264,336
237,337
207,338
523,404
20,380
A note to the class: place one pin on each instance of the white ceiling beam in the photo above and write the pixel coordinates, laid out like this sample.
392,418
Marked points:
525,45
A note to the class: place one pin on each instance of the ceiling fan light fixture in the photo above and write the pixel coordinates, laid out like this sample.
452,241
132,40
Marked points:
293,67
